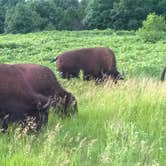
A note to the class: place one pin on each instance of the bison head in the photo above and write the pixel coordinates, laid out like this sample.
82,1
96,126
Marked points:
65,105
43,110
115,75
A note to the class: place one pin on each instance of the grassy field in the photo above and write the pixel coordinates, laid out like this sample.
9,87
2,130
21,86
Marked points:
122,125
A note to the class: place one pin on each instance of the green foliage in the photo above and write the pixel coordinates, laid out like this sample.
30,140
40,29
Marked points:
2,19
28,16
50,14
117,14
82,8
133,55
120,132
65,4
116,125
128,14
70,20
20,19
153,28
154,22
10,3
161,6
78,15
57,14
98,14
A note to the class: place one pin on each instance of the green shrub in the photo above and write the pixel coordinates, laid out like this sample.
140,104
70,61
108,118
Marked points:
153,28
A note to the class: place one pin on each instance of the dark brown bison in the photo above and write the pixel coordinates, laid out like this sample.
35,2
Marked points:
94,62
43,81
17,99
163,74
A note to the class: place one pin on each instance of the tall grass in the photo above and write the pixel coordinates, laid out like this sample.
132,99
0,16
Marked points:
121,124
117,125
133,55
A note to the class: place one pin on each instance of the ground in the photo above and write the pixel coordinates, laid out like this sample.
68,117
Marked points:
116,125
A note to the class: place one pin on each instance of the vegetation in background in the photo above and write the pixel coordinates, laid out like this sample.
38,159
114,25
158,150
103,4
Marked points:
153,28
117,125
17,15
134,56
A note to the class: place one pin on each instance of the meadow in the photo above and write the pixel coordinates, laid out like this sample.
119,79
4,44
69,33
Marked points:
117,125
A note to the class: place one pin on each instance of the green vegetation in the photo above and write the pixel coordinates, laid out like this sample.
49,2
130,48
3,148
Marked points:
117,125
153,29
22,16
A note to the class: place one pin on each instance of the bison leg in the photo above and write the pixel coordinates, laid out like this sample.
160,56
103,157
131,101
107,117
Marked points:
63,75
5,122
66,75
75,75
98,78
86,76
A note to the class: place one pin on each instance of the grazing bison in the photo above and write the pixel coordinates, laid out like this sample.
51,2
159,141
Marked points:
94,62
43,81
17,99
163,74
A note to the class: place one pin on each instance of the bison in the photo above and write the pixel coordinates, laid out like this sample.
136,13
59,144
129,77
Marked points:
17,99
163,74
43,81
94,62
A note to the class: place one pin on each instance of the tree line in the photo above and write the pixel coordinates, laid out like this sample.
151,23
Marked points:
22,16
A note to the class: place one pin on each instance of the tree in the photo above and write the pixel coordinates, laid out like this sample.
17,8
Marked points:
10,3
70,20
161,8
57,14
65,4
82,6
98,14
20,19
120,14
128,14
49,13
2,19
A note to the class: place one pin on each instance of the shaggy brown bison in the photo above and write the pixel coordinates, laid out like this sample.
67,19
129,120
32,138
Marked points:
17,99
94,62
43,81
163,74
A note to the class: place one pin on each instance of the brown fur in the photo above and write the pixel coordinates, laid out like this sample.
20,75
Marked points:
94,62
43,81
18,100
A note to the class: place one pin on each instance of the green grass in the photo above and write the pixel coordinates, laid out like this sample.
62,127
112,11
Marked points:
122,125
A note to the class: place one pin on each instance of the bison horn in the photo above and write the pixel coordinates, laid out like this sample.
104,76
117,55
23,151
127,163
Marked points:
163,74
46,106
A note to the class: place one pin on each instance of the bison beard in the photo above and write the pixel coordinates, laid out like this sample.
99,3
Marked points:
18,101
95,63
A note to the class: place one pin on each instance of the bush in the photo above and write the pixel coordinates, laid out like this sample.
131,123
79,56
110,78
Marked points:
153,28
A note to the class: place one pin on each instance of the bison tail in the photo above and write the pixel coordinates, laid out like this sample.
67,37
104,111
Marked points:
163,74
53,60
